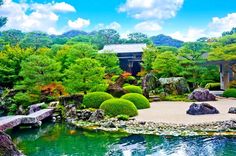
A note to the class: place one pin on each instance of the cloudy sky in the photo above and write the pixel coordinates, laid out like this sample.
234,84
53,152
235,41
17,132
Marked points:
182,19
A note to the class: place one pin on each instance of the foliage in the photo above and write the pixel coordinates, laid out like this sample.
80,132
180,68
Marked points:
167,64
213,86
231,32
25,99
95,99
232,84
114,107
110,61
138,37
140,101
149,56
52,91
122,117
133,89
114,77
12,37
10,60
175,98
230,93
85,75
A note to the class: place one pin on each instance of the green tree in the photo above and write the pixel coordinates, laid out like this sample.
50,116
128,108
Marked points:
36,40
138,37
149,56
12,37
3,20
85,75
110,61
167,64
10,60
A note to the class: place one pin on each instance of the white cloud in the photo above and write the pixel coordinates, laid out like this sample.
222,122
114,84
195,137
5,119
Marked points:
79,23
214,29
148,26
33,16
114,25
151,9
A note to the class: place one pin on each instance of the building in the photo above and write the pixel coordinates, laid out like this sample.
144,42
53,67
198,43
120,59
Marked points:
226,73
130,55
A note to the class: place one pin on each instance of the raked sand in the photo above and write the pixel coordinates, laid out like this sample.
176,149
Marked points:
175,112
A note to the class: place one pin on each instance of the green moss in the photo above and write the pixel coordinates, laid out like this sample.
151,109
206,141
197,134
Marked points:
230,93
140,101
176,98
95,99
114,107
213,86
133,89
123,117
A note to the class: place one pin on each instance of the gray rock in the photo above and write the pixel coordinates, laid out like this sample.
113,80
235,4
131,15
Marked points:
110,124
202,94
36,107
97,115
232,110
7,148
175,85
201,109
84,114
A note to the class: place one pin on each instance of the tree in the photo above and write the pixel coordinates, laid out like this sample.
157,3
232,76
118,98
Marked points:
10,60
85,75
36,40
167,64
138,38
110,61
108,36
12,37
36,72
149,56
3,20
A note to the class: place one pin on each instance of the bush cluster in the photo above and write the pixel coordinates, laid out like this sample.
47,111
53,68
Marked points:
213,86
95,99
230,93
115,107
140,101
133,89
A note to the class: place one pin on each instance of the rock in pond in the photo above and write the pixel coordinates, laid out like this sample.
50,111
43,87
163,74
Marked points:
232,110
7,148
202,94
201,109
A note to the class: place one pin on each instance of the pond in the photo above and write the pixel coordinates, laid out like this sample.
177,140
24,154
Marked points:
63,140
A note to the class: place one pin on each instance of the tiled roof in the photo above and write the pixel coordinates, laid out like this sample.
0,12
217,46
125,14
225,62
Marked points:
124,48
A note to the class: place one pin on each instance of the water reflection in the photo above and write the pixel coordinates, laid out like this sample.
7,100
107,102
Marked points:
60,139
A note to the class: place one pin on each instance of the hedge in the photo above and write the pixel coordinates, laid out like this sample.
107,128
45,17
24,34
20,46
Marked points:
115,107
95,99
213,86
230,93
133,89
140,101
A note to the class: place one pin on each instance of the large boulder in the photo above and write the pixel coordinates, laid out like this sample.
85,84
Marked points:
175,85
149,83
232,110
97,115
202,94
201,109
7,148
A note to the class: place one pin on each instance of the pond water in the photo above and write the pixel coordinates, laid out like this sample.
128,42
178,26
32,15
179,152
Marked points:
63,140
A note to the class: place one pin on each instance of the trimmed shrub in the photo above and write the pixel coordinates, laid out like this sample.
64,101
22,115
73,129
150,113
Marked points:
122,117
133,89
230,93
115,107
213,86
126,84
95,99
140,101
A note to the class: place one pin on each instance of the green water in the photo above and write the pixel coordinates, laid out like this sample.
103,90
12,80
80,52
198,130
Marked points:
63,140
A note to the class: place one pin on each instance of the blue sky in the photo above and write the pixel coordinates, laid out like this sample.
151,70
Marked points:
182,19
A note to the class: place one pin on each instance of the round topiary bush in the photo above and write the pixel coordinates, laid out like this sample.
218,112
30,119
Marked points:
133,89
95,99
114,107
230,93
139,100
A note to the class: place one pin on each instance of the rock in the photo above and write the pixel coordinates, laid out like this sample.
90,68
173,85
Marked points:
202,94
97,116
53,104
71,111
21,111
84,114
201,109
232,110
175,85
7,148
36,107
116,89
75,99
149,83
110,124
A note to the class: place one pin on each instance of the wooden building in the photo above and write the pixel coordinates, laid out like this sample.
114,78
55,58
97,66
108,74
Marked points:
130,55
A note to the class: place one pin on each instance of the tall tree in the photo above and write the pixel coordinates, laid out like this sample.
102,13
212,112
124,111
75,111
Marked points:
85,75
138,37
12,37
149,56
3,20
